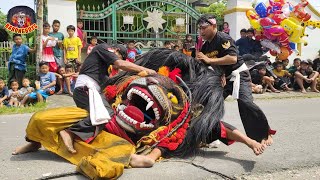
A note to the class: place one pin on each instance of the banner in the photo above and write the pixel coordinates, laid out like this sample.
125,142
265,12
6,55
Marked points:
21,20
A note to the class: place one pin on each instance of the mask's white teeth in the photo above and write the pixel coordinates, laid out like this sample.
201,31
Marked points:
149,105
130,94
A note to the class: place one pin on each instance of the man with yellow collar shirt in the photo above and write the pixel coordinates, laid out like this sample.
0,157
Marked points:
220,50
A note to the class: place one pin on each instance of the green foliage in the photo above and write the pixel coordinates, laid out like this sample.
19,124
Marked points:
3,19
21,110
217,9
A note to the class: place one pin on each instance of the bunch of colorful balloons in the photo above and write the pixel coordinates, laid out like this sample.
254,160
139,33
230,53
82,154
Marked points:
279,26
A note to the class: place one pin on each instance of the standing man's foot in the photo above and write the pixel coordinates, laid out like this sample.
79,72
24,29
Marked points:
303,91
268,141
257,148
30,147
315,90
68,141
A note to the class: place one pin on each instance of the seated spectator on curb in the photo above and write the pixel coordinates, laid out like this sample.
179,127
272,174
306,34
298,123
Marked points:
305,77
4,93
44,87
259,77
67,79
26,88
283,76
14,94
294,68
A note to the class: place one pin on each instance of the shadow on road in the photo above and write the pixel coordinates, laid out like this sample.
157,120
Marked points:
42,155
209,154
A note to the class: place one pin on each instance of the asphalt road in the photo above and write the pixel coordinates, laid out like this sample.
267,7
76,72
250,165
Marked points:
295,153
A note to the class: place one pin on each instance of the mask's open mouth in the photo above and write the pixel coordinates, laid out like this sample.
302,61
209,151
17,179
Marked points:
140,112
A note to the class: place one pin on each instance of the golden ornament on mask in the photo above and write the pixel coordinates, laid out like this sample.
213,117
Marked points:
173,98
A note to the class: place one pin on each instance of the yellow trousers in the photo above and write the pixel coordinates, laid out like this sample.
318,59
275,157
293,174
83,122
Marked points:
104,158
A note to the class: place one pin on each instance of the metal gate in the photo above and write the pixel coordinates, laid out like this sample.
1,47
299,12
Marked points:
149,22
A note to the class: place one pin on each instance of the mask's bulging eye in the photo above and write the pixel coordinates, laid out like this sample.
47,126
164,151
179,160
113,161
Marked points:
172,98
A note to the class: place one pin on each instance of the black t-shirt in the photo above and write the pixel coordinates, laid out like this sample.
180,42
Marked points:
256,78
97,63
316,65
222,45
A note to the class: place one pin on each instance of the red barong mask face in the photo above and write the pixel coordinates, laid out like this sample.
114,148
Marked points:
143,104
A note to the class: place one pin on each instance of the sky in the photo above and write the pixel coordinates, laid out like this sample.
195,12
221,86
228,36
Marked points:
5,5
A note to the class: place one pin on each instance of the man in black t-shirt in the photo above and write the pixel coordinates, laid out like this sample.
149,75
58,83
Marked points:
220,50
93,72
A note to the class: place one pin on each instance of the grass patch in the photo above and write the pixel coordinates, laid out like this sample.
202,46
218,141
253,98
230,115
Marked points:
21,110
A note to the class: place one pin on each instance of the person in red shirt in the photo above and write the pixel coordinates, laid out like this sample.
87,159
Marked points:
132,52
93,43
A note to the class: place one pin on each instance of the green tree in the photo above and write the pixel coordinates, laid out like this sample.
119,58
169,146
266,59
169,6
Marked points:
217,9
3,18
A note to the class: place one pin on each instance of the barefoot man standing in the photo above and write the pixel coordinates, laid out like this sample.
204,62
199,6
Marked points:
220,50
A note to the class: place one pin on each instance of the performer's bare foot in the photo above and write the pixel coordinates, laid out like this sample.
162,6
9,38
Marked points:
268,141
30,147
257,148
141,161
68,141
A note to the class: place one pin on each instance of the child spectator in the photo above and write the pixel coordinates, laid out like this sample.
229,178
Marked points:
176,47
93,43
14,94
188,44
45,86
67,80
82,35
72,49
294,68
283,76
17,62
259,77
305,77
226,28
4,93
285,64
57,50
26,88
132,52
48,44
167,45
316,64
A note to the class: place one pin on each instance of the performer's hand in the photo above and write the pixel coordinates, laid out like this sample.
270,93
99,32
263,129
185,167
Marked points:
203,58
150,71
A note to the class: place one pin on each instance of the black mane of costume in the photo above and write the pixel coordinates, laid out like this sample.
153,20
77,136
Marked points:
207,93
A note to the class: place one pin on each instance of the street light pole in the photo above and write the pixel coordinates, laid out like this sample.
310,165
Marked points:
39,8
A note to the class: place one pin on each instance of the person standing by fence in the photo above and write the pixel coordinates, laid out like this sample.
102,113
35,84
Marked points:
57,50
17,62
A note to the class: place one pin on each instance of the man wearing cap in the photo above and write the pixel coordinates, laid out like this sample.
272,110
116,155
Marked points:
220,50
305,77
87,93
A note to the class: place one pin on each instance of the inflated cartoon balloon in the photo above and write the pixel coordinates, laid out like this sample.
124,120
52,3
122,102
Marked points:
280,27
261,9
284,53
